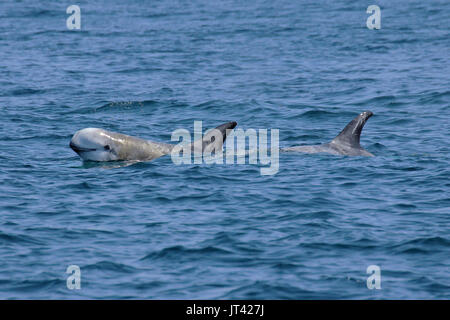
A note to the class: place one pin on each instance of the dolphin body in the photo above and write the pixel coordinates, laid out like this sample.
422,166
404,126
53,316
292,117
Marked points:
346,142
94,144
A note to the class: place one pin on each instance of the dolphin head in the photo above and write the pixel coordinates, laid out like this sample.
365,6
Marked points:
94,144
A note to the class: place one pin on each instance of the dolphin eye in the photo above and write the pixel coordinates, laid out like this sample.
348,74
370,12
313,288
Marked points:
107,148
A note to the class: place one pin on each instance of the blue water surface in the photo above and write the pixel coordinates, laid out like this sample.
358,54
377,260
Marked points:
155,230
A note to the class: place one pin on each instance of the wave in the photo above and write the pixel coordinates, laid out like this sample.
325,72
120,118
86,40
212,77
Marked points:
183,253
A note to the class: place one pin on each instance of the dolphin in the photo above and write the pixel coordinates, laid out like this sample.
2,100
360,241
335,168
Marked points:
94,144
346,142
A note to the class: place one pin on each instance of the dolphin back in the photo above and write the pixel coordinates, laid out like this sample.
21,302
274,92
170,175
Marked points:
132,148
345,143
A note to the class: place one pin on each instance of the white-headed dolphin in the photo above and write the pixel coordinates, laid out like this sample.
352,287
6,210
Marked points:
346,143
93,144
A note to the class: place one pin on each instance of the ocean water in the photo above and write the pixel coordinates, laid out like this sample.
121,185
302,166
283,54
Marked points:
155,230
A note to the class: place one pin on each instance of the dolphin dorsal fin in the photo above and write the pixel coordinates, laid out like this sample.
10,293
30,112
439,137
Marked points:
351,133
209,141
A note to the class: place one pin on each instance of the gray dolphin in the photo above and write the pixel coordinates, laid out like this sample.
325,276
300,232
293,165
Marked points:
94,144
346,143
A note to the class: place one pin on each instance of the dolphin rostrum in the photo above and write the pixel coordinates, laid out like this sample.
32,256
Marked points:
93,144
346,143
